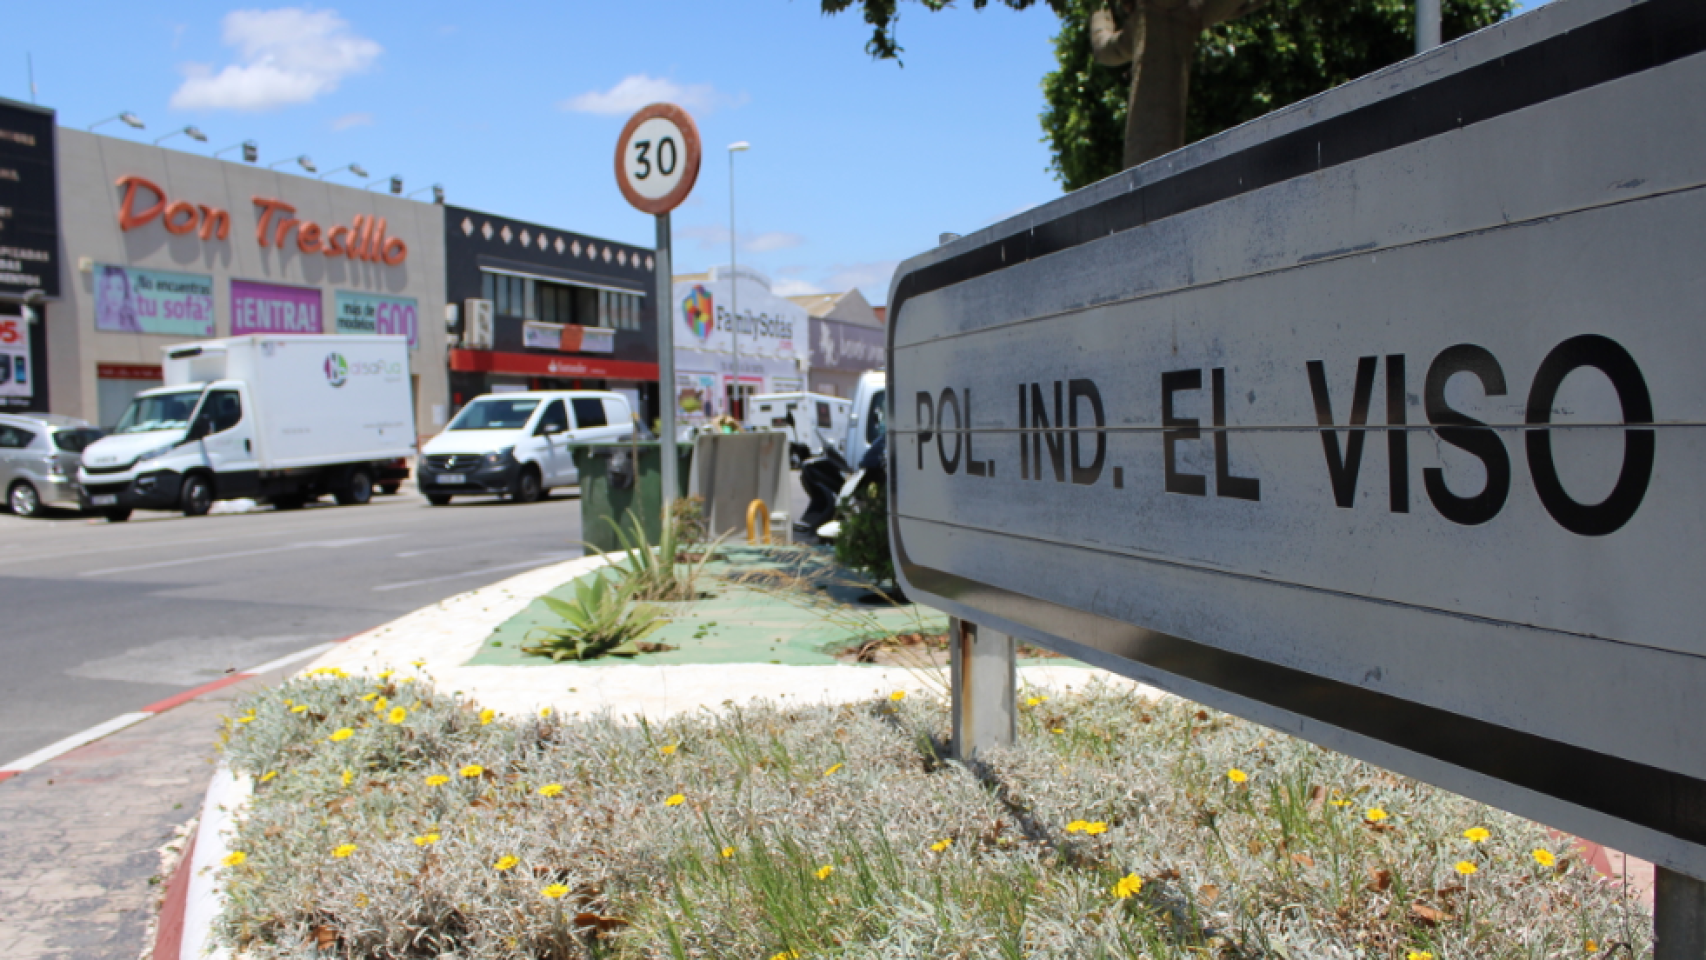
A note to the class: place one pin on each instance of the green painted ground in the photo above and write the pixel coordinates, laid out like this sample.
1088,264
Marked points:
795,608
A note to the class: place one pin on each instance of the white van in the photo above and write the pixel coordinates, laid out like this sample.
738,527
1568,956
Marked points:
870,399
809,419
519,444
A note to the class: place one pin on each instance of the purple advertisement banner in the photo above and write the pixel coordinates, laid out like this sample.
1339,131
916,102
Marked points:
270,308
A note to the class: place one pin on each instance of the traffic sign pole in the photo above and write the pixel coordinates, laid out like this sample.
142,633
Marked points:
666,368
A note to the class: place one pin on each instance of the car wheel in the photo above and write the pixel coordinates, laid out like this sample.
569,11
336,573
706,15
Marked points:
389,488
358,491
526,486
117,516
24,499
196,496
438,499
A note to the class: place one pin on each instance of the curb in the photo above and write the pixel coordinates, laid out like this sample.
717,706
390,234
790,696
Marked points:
198,908
55,750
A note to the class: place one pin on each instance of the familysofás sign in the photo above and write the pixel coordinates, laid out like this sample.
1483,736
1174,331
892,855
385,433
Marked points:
364,238
1357,422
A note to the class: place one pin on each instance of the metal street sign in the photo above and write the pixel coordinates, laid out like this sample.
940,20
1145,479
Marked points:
1378,420
657,158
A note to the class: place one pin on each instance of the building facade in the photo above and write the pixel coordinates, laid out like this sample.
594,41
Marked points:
29,253
546,309
716,367
848,338
159,247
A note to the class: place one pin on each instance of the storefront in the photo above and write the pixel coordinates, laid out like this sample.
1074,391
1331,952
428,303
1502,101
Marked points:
160,247
842,351
772,349
538,308
29,253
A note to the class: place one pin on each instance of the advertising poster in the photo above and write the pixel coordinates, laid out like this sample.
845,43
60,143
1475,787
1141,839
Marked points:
153,301
696,396
15,373
370,313
271,308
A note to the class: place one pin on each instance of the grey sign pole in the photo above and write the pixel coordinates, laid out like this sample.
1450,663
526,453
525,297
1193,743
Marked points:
666,367
982,670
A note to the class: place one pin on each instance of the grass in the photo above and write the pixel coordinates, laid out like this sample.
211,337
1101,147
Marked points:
710,835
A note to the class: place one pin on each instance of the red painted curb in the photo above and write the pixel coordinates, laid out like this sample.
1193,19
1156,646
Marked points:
7,775
169,934
189,695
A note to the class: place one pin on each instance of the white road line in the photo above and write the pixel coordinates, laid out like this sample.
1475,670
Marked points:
457,546
286,661
73,742
536,562
184,561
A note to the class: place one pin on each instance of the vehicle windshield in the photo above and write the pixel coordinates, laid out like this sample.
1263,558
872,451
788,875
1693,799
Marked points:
160,411
495,414
75,439
879,410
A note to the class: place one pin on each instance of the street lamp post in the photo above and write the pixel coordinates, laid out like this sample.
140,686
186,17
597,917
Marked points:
130,120
251,150
354,168
736,398
302,161
190,131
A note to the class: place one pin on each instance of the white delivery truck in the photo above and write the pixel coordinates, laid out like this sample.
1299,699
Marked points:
809,419
279,419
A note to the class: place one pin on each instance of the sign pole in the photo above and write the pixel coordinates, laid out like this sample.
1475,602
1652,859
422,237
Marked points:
983,675
666,367
1679,916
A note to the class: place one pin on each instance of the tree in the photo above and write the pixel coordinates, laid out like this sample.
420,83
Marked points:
1239,69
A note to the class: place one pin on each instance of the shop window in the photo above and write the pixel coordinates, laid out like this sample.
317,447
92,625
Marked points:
618,311
589,412
823,417
510,296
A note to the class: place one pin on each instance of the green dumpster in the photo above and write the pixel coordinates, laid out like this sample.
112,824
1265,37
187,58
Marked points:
611,486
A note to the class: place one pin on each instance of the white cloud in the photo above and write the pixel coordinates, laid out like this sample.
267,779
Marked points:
872,278
349,120
775,240
717,238
286,56
637,90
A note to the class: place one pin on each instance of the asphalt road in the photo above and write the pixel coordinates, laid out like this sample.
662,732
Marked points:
99,619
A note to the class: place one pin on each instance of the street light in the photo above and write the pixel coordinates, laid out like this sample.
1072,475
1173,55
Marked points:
737,398
354,168
303,160
251,150
130,119
396,180
437,193
190,131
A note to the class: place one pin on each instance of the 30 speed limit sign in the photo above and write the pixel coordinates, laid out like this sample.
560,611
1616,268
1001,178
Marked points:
657,158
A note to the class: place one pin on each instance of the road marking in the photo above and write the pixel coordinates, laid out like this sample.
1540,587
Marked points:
457,546
286,661
537,562
73,742
161,564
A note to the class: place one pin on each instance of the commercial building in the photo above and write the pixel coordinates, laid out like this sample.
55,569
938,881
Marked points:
540,308
29,252
848,338
159,247
773,354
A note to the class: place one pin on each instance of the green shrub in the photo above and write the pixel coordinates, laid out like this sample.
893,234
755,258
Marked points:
863,543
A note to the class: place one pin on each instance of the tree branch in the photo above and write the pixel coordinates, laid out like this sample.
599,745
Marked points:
1111,46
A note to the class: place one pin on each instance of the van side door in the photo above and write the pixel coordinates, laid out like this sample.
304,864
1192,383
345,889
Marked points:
556,455
227,430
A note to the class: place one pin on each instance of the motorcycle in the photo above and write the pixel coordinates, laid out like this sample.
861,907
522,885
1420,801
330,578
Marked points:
830,482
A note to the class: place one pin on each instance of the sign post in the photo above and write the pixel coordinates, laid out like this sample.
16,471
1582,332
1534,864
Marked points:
657,163
1356,423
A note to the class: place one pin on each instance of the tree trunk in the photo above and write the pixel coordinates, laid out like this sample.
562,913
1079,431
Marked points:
1163,48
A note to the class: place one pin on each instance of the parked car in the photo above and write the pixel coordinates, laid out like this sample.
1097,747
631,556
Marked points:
39,456
519,444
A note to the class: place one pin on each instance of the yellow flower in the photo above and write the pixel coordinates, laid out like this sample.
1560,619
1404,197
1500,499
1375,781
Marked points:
545,713
1076,826
555,891
287,701
244,719
506,862
898,696
550,789
833,770
1128,886
235,858
1094,828
437,780
786,955
1057,730
426,840
380,705
341,735
1418,955
417,664
472,770
486,716
1544,857
728,852
396,716
668,749
1236,775
368,697
1465,867
1591,946
344,851
942,844
1375,815
386,674
299,708
268,775
1476,834
824,871
675,800
361,900
349,775
1033,701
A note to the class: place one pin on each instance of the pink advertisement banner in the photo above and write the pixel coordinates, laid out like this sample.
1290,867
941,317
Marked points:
270,308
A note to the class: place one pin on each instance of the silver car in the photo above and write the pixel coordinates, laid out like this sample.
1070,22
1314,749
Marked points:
39,456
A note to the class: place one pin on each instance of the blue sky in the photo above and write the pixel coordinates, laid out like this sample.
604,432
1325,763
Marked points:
855,165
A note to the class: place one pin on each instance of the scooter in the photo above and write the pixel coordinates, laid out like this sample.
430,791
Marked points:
830,484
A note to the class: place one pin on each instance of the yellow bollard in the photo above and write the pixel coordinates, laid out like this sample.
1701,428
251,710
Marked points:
756,511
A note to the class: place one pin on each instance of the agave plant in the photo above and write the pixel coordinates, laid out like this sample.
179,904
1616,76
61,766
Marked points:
602,620
653,573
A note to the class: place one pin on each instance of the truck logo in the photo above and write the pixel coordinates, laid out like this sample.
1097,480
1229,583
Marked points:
337,369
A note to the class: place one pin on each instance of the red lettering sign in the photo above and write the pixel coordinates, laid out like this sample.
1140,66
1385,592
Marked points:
363,239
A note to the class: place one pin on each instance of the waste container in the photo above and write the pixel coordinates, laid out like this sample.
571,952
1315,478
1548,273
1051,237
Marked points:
611,486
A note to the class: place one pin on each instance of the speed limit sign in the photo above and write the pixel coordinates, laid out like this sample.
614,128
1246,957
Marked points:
657,158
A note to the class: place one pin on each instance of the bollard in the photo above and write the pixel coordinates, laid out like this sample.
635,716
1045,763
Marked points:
755,511
983,674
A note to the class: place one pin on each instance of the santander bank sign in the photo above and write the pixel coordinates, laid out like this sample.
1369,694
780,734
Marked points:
277,225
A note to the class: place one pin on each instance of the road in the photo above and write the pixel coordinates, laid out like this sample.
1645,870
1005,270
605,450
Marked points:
101,619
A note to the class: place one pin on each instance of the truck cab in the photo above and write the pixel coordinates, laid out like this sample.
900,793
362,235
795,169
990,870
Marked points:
174,447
